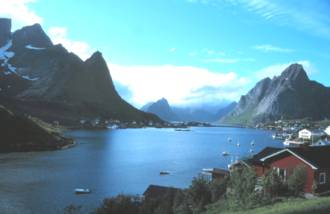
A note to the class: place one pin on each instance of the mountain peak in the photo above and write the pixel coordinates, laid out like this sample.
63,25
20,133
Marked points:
162,109
163,100
294,72
31,35
97,61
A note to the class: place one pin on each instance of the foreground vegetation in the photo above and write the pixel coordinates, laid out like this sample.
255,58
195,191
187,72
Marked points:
291,206
240,193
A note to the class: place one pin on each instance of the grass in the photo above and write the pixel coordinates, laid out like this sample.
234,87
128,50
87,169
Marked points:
47,126
291,206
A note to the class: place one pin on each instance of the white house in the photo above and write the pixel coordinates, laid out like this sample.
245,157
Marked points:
306,134
327,131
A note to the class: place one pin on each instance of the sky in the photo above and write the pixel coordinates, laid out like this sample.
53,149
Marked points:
189,51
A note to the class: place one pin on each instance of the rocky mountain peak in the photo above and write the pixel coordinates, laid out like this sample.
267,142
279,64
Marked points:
163,101
5,30
290,96
31,35
295,72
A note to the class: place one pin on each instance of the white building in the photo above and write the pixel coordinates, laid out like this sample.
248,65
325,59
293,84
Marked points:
306,134
327,131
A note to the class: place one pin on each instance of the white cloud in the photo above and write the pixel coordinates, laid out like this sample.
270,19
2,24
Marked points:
276,69
309,16
179,84
19,12
271,48
59,35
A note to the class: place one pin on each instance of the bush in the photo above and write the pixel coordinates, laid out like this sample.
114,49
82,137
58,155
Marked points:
242,192
297,181
73,209
272,184
120,204
199,193
218,189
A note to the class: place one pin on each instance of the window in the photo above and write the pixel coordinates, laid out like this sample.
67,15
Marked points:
322,178
282,173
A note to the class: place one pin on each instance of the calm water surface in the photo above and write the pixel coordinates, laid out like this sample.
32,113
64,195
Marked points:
118,161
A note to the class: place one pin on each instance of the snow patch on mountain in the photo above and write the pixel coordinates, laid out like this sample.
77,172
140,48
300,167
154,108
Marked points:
31,47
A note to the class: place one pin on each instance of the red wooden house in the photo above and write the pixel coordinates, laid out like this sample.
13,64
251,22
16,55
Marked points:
316,161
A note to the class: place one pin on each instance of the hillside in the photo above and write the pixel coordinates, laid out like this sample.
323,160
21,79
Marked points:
292,95
301,206
46,81
19,133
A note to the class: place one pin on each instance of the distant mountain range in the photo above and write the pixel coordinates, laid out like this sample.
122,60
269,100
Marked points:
289,96
162,109
46,81
186,114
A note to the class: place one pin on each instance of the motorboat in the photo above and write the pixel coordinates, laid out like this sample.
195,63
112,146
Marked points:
82,191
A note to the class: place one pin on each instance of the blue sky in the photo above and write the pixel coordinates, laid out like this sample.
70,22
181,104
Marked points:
188,51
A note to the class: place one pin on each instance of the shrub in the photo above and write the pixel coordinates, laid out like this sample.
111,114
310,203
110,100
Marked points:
199,193
121,204
272,184
73,209
297,180
242,192
218,189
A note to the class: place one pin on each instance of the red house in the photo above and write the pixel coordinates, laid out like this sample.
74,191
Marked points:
316,160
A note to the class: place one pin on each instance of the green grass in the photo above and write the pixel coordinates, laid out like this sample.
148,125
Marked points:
293,206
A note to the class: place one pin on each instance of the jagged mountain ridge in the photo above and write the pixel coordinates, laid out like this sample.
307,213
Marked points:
289,96
45,80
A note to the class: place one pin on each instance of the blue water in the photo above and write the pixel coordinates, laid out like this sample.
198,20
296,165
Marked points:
120,161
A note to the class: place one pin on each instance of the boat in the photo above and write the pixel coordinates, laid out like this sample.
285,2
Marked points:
280,136
82,191
229,139
252,143
238,145
182,130
225,153
164,173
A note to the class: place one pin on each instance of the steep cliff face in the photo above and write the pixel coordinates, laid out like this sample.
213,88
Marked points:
45,80
5,31
291,96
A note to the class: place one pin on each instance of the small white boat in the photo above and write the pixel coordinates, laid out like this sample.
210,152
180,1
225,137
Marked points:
252,143
238,145
225,153
229,139
82,191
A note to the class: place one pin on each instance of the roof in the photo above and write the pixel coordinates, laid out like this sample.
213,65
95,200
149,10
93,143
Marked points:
316,156
155,191
217,171
255,160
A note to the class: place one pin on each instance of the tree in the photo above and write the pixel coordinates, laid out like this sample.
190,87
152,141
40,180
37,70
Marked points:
73,209
218,188
242,192
121,204
272,184
297,180
199,193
